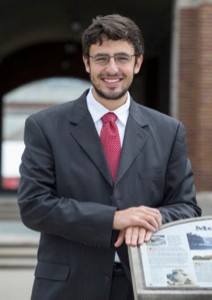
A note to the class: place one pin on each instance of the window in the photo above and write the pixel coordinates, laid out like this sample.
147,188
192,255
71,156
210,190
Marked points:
21,102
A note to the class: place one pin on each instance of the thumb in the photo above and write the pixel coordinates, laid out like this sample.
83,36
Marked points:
120,239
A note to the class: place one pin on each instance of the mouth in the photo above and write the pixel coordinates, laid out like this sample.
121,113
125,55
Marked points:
112,81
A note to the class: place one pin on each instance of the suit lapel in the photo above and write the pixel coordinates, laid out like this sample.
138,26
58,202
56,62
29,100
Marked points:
84,132
134,140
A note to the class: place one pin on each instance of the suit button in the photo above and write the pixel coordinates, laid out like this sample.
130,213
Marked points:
107,279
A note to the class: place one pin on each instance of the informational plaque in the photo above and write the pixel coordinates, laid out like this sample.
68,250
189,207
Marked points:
176,263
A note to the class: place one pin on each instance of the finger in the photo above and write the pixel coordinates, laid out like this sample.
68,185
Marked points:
128,235
152,211
147,223
157,215
120,239
133,236
153,219
148,236
142,235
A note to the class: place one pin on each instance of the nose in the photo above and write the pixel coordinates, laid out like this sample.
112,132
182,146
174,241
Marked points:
112,66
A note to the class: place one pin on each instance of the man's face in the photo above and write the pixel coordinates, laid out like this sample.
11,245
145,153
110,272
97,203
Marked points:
112,80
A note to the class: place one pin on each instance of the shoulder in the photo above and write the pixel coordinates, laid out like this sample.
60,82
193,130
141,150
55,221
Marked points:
151,116
60,112
53,111
158,123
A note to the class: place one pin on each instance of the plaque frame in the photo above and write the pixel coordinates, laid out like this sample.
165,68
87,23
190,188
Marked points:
142,292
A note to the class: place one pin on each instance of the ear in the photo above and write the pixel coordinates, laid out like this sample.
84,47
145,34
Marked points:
86,63
138,64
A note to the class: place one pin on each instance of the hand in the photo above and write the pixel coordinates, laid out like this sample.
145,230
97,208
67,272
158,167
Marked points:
133,236
142,217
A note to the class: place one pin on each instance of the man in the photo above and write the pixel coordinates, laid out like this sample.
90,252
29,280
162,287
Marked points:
90,198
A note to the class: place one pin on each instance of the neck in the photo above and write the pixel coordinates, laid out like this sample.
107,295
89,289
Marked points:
108,103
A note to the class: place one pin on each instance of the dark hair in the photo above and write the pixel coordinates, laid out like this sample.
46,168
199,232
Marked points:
114,27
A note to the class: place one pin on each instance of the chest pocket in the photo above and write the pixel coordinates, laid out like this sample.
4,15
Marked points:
152,185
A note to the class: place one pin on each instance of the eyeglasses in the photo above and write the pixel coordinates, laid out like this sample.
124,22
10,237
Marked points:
104,59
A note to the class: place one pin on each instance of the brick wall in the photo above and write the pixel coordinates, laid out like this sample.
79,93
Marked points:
195,89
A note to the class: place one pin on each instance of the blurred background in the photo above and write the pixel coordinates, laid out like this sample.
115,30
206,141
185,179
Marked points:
41,65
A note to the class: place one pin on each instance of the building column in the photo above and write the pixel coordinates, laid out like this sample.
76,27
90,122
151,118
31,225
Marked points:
192,83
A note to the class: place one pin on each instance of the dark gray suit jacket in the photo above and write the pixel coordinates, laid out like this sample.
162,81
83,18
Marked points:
66,192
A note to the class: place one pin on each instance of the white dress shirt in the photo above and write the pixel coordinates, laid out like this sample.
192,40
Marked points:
97,111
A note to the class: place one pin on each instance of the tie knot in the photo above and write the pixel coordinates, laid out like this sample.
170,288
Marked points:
109,117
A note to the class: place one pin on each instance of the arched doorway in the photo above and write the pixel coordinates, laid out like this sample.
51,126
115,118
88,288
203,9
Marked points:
21,102
49,45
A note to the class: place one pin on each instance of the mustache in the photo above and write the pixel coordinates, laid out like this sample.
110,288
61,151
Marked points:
116,75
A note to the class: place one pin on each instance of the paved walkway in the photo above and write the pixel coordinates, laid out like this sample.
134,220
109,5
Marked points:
18,247
16,284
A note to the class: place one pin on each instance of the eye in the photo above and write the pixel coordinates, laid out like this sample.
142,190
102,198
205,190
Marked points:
123,58
101,59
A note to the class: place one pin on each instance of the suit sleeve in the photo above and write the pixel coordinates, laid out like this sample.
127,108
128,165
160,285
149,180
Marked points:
42,210
180,194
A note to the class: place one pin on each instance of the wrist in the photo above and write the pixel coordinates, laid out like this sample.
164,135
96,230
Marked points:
117,220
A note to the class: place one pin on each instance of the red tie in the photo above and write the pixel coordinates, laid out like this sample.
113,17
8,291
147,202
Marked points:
111,142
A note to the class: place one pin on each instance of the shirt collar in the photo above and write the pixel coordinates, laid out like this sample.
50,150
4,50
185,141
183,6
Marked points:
97,110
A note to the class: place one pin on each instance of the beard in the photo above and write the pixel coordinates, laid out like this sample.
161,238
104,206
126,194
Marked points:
112,93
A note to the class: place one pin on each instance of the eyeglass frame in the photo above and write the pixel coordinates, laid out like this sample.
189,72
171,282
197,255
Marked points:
130,56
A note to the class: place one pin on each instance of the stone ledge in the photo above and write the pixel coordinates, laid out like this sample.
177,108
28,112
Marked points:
204,200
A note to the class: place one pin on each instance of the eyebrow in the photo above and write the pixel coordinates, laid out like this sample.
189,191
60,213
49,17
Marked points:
120,53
